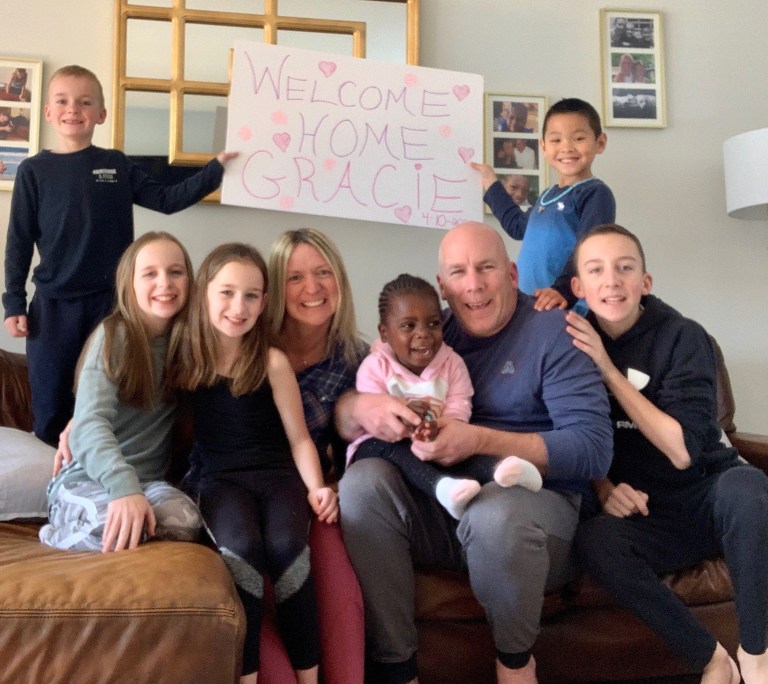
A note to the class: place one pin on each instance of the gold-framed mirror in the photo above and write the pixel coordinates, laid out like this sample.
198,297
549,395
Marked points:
171,71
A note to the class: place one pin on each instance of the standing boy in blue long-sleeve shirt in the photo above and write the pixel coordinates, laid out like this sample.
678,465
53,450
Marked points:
572,137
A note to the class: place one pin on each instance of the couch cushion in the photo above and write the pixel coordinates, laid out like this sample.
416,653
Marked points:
705,584
25,470
165,612
443,595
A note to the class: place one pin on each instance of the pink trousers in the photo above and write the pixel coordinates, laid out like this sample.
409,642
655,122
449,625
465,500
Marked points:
340,616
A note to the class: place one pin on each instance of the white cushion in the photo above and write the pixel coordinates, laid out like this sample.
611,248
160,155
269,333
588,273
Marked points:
26,464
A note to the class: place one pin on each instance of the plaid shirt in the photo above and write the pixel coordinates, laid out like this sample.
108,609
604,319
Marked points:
321,385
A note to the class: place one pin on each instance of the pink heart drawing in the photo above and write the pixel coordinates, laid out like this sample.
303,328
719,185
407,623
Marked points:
279,118
466,153
286,202
282,140
244,133
460,91
411,80
445,131
403,213
327,68
329,164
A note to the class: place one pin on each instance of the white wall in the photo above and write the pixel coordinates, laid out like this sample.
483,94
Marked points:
668,183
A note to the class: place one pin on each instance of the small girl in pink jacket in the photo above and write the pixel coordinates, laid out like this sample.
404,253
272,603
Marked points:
410,361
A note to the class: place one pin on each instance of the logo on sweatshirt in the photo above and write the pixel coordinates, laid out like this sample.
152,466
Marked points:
105,175
637,378
508,368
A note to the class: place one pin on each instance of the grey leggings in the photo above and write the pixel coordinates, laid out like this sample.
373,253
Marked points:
77,515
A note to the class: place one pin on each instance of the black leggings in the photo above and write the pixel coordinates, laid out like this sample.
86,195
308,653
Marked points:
425,475
259,520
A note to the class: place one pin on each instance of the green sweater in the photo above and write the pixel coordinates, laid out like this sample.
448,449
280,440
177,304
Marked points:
115,444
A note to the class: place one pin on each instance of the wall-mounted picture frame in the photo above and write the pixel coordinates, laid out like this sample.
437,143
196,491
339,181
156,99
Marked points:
512,133
632,69
20,92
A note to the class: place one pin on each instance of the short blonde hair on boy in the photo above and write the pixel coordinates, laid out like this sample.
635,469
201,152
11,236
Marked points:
79,72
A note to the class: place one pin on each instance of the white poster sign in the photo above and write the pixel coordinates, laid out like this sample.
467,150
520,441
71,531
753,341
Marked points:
340,136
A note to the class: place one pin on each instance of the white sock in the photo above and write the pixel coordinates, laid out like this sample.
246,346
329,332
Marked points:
454,494
517,471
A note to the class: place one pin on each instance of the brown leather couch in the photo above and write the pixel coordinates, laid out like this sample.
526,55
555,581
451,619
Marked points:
168,611
165,613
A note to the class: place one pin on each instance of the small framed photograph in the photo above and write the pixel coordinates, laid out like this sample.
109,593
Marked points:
632,59
512,133
20,93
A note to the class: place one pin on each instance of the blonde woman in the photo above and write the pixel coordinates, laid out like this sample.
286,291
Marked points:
313,323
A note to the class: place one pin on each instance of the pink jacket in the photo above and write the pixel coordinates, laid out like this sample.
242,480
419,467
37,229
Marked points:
444,383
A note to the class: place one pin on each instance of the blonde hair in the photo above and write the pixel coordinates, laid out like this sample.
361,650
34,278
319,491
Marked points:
343,331
79,72
198,353
127,347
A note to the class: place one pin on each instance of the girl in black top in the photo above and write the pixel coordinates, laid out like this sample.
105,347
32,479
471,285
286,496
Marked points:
256,456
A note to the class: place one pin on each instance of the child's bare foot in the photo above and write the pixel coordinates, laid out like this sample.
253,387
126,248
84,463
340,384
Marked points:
454,495
525,675
517,471
721,669
754,668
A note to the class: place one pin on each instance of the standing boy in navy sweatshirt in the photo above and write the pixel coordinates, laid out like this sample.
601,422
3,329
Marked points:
75,204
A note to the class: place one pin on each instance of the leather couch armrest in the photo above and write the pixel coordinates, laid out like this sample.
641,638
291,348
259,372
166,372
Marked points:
15,395
752,447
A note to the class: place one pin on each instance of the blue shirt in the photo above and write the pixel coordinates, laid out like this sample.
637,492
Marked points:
529,377
550,229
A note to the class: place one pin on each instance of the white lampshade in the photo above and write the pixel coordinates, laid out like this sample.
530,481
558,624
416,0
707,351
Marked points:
746,175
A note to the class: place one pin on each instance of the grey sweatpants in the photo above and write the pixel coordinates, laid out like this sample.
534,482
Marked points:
77,515
514,543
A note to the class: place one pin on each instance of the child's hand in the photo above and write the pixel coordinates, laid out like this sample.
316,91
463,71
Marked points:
224,157
547,298
325,504
422,409
427,431
127,518
17,326
586,338
487,174
63,456
622,501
